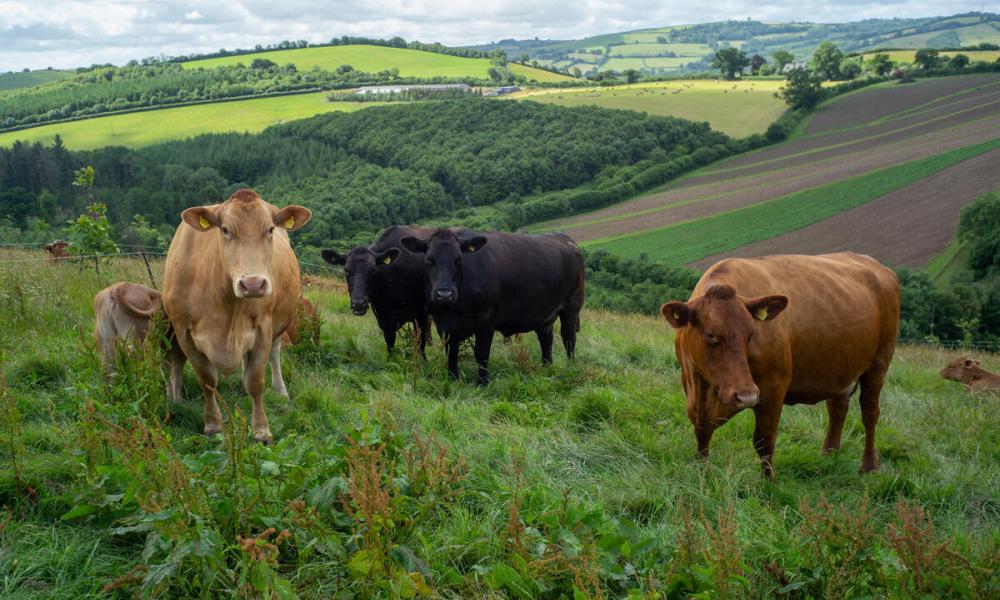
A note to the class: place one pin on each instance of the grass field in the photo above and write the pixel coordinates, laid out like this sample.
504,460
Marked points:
572,480
371,59
144,128
13,81
735,108
656,49
689,241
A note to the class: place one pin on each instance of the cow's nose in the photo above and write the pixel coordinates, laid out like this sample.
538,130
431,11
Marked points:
444,295
359,307
748,398
253,286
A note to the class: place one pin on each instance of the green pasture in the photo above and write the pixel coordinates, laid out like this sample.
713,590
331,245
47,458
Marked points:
390,481
149,127
20,79
371,59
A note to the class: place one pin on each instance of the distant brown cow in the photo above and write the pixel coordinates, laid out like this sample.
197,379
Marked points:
123,311
231,287
762,333
968,371
57,250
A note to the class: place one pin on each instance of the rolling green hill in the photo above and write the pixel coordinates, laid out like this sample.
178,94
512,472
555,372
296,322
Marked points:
411,63
690,46
13,81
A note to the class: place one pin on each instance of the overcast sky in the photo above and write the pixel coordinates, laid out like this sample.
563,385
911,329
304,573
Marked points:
70,33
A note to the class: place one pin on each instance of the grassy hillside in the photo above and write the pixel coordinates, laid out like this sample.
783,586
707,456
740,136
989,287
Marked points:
577,476
13,81
857,141
735,108
673,49
906,56
135,130
411,63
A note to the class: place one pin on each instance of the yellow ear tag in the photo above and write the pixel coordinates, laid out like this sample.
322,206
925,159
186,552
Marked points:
761,313
387,260
204,223
677,315
290,223
472,248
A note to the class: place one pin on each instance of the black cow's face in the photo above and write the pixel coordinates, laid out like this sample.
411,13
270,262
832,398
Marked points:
361,266
444,256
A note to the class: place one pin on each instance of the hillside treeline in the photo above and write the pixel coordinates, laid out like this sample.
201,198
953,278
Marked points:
358,172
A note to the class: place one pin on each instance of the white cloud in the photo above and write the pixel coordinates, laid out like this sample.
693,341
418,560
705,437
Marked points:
70,33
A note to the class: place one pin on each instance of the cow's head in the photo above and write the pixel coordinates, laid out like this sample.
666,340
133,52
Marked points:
444,254
361,266
715,332
246,226
960,369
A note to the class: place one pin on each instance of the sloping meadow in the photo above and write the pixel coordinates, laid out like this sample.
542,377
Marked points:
389,480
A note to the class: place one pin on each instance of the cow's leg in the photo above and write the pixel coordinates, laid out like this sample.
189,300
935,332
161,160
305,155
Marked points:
767,414
253,381
836,409
176,359
569,325
484,342
389,334
423,323
453,358
871,389
545,336
277,381
703,435
209,378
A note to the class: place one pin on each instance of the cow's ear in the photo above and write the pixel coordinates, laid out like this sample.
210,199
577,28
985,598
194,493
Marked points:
292,217
766,308
678,314
201,218
388,257
473,244
414,244
969,363
334,258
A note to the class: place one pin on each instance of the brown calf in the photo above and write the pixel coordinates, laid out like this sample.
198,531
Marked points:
123,311
968,371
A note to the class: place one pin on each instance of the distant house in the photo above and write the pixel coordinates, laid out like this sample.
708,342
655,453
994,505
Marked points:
396,89
506,89
794,65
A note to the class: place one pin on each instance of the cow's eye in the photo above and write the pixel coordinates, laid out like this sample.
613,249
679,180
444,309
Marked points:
430,261
225,231
349,273
271,230
458,261
711,338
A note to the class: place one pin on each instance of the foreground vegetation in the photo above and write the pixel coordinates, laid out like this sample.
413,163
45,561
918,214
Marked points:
389,480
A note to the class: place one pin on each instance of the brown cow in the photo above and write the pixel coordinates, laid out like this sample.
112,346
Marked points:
57,250
968,371
123,311
231,287
762,333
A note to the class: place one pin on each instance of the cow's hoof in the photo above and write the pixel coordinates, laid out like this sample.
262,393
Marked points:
211,433
827,450
264,437
868,466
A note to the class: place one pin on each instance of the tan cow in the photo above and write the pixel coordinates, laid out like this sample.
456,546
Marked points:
57,250
968,371
231,287
762,333
123,311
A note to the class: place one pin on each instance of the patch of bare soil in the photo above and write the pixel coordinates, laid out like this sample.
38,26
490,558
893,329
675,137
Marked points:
692,203
866,106
904,228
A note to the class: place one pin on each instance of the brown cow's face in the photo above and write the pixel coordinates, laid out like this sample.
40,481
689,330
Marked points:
713,340
246,228
958,369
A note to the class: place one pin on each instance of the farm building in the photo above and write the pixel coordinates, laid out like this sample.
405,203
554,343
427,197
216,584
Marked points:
396,89
507,89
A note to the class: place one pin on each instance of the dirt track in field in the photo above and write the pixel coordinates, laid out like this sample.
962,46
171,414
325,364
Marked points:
962,119
904,228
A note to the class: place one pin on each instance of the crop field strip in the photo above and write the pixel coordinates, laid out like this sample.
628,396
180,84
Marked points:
690,241
905,228
701,196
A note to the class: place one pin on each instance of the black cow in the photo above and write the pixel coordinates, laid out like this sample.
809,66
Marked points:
478,284
389,280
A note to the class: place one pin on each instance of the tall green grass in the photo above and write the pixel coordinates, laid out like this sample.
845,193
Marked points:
572,480
689,241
